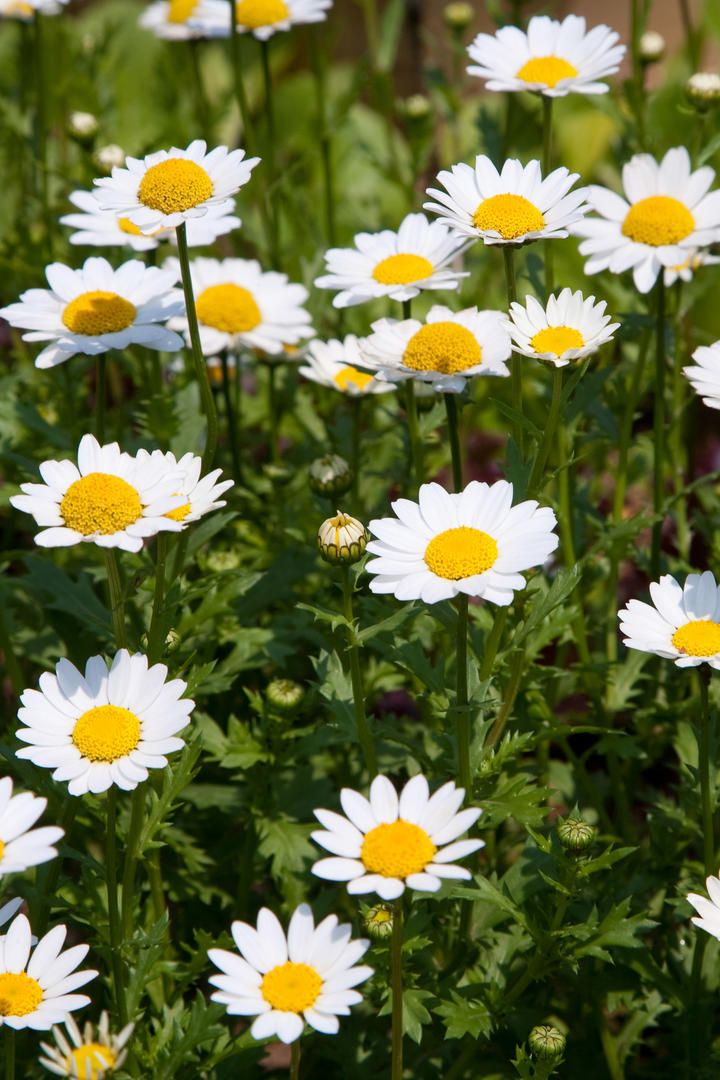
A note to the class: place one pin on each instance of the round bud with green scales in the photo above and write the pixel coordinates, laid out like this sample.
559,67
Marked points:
330,475
342,539
575,835
546,1043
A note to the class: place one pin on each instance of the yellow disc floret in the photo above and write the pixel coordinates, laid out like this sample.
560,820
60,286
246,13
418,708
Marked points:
19,994
557,340
179,12
291,987
402,269
174,185
397,849
442,346
180,513
460,553
125,225
546,69
510,215
2,848
350,376
100,503
98,312
658,220
701,637
91,1060
106,733
229,308
256,13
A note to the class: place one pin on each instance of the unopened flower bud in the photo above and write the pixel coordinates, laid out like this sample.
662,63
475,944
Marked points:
703,89
330,475
218,560
284,695
652,47
575,835
417,107
379,921
107,157
458,16
82,126
546,1043
342,539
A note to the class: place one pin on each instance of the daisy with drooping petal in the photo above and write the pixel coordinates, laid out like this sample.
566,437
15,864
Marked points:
569,327
106,499
513,206
708,910
86,1055
96,308
164,189
391,842
37,990
21,846
666,213
705,375
445,351
108,727
334,364
475,542
237,303
182,20
684,271
552,58
201,495
285,981
395,264
683,625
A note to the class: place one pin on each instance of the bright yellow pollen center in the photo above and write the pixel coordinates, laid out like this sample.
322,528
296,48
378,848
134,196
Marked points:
2,848
291,987
401,269
350,375
557,340
106,733
460,553
19,994
98,1056
180,11
174,185
382,915
546,69
442,346
397,849
658,220
98,312
100,503
181,513
255,13
698,638
229,308
510,215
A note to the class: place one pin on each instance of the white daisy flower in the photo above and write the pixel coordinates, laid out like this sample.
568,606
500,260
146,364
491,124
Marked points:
25,10
684,271
666,213
552,58
237,303
684,624
445,351
708,911
474,542
97,308
390,842
21,846
107,728
164,189
395,264
86,1055
705,375
568,328
37,991
201,495
100,228
182,20
334,363
263,18
513,206
283,981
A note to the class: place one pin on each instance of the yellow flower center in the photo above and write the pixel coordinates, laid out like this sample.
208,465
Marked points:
460,553
546,69
510,215
698,638
97,1056
106,733
174,185
397,849
380,916
180,513
16,7
401,269
229,308
19,994
126,226
2,848
100,503
98,312
348,375
658,220
180,11
442,346
557,340
291,987
255,13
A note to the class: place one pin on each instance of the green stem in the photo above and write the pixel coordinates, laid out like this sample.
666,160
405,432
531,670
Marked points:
356,407
295,1060
451,410
155,635
270,186
705,767
416,447
679,442
565,526
159,906
461,695
241,96
137,813
319,73
396,986
9,1053
201,373
49,873
230,414
12,664
516,364
492,644
100,395
691,37
658,427
363,730
511,690
112,900
117,597
272,408
547,104
537,473
41,142
199,96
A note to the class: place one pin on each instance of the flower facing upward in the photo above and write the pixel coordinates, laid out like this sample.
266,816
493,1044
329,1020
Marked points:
164,189
552,58
666,214
108,727
396,264
201,495
36,991
97,308
334,364
475,542
513,206
21,846
86,1055
708,911
569,328
389,842
684,624
282,980
705,375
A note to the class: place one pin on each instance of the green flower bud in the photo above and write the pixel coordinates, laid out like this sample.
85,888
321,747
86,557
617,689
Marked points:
703,90
546,1043
417,107
330,475
379,921
458,16
82,126
217,561
652,47
342,539
575,835
108,156
284,695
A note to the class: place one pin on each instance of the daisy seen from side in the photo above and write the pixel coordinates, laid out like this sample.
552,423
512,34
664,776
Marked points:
181,20
707,907
569,327
89,1054
285,981
681,624
335,363
686,270
201,494
704,375
20,845
263,18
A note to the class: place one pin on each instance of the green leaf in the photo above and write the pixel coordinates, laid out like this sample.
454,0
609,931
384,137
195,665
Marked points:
463,1017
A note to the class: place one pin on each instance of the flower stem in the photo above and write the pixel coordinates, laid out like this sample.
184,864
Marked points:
201,373
137,812
658,426
9,1052
547,104
516,369
396,986
112,900
295,1060
100,395
117,598
231,418
200,98
356,407
416,447
248,132
461,695
41,142
319,72
538,469
272,408
363,730
451,410
155,631
270,187
704,765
